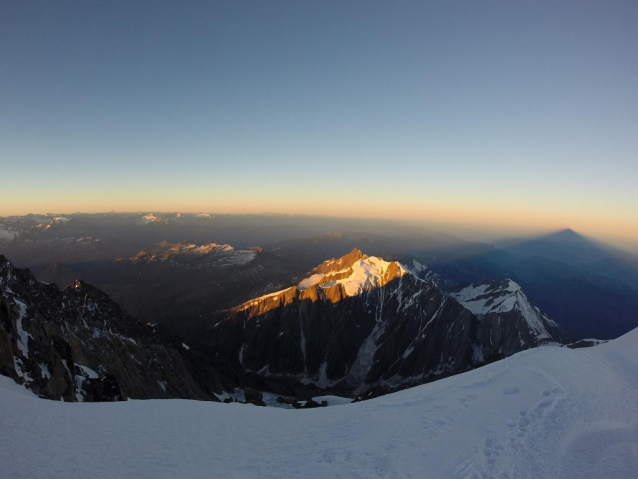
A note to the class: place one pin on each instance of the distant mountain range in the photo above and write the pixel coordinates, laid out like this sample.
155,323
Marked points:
173,268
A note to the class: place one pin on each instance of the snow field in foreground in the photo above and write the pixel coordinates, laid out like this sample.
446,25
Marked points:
546,412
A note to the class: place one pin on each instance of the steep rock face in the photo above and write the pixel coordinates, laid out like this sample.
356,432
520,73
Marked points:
508,320
358,322
78,345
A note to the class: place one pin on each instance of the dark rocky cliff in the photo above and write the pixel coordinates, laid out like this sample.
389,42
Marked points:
76,344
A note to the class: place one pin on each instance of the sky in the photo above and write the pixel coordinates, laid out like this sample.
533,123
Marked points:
519,115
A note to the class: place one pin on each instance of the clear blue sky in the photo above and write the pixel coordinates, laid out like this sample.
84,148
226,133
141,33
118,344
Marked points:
494,111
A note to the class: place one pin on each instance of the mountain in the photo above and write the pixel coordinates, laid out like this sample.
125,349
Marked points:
174,284
503,307
78,345
192,255
589,288
565,246
58,273
139,230
151,219
580,256
357,324
549,412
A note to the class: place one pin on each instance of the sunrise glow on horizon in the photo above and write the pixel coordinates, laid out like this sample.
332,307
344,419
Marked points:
442,113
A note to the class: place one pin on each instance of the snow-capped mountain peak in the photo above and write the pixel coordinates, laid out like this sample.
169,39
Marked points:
356,272
335,279
500,297
185,253
489,297
151,219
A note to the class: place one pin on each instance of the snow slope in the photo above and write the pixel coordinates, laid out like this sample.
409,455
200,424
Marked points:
547,412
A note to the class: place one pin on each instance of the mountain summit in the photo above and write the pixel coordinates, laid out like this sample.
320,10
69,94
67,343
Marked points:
360,323
354,272
333,280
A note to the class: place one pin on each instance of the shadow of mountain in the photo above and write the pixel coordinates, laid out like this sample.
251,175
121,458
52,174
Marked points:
589,288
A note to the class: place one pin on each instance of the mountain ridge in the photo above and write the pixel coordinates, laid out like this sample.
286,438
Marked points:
76,344
390,329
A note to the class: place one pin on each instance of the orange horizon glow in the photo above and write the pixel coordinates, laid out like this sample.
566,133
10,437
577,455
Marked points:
485,219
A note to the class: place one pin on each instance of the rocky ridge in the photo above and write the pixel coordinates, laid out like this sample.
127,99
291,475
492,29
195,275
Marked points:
76,344
504,309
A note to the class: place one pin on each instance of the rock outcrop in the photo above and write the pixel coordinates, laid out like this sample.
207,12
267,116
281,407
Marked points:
76,344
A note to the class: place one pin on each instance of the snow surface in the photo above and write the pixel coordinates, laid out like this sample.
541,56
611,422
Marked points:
485,298
418,267
543,413
150,218
367,273
311,281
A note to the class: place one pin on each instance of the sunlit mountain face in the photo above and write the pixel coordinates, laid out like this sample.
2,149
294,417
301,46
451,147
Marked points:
363,325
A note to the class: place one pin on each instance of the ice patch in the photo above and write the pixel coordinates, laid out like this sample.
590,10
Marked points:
88,371
23,336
